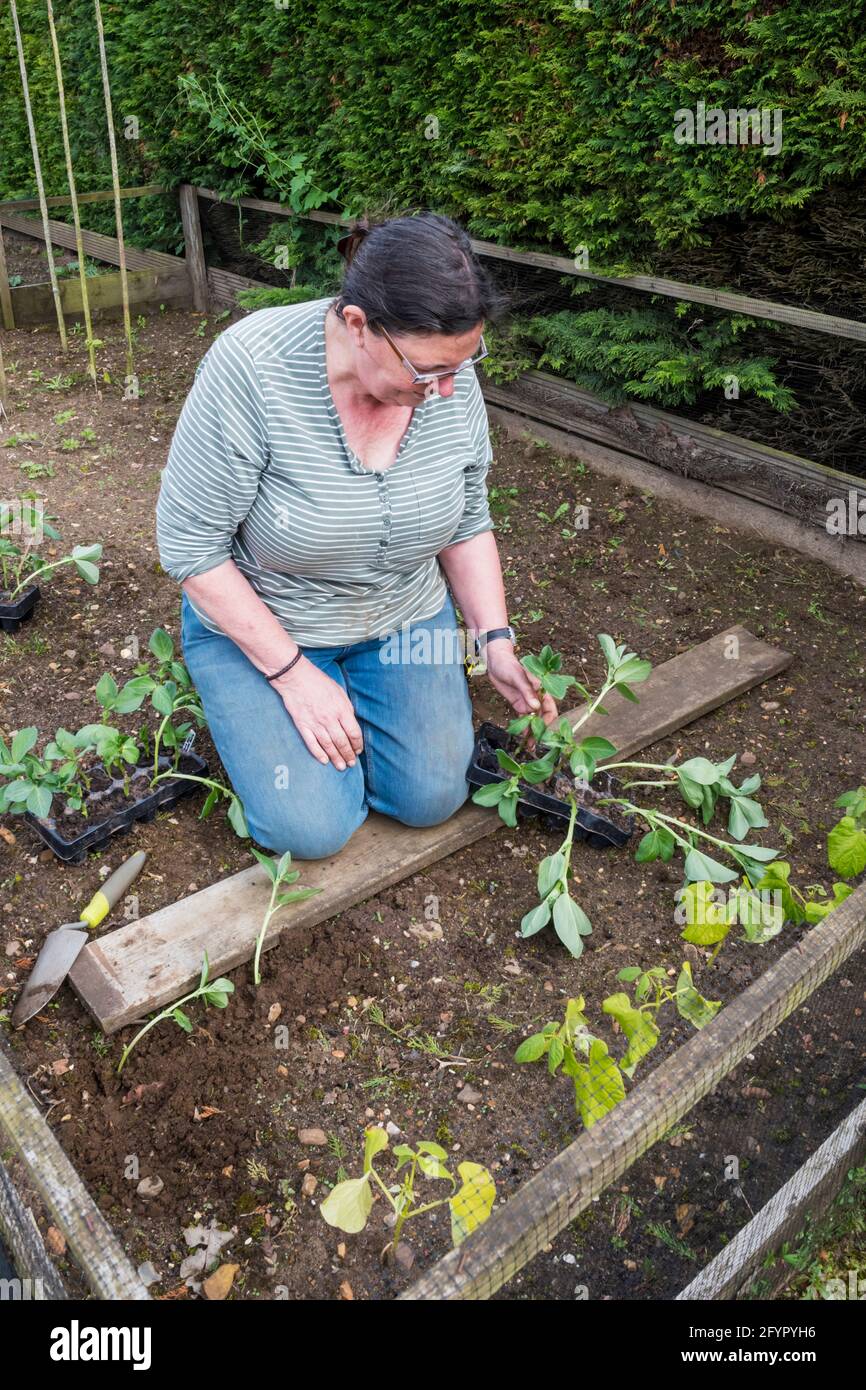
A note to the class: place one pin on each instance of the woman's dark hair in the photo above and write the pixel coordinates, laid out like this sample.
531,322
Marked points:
417,274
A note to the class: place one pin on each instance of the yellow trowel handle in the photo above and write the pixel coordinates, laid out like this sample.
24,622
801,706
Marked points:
113,889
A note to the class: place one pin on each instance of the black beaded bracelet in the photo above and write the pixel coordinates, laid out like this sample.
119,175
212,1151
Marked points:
295,659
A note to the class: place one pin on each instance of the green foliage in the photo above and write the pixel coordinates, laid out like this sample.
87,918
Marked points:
573,1047
555,125
273,298
655,353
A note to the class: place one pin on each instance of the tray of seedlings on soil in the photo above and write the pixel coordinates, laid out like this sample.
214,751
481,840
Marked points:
83,787
23,529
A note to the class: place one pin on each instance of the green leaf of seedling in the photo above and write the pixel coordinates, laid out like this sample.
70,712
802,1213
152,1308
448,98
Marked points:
532,664
707,919
89,573
708,803
403,1155
598,1084
506,762
816,912
535,920
629,973
570,923
24,740
533,1048
638,1027
699,770
39,802
162,700
555,1055
700,866
550,872
556,685
490,794
508,806
633,670
609,650
182,1020
657,844
774,877
846,847
210,801
348,1205
691,792
540,769
106,690
218,993
298,895
745,815
691,1004
582,765
432,1165
854,802
375,1140
161,645
517,726
133,694
760,918
268,864
436,1150
597,748
237,820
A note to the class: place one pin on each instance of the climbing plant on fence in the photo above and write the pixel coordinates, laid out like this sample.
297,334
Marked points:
536,124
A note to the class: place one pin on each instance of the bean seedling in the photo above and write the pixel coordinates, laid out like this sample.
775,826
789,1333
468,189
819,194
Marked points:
471,1198
215,992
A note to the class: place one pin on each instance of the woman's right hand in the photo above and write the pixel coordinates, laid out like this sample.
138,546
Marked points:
322,714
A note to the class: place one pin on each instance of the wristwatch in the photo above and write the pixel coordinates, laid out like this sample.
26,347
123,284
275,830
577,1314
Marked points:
484,637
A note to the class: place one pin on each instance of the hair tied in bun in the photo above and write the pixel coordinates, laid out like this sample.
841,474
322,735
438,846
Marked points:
348,245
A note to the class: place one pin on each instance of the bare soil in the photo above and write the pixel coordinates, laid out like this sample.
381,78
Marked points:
215,1115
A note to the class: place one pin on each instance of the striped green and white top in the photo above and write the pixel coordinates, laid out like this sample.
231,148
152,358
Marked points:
259,470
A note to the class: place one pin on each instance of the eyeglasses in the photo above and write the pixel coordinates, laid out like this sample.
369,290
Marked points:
418,377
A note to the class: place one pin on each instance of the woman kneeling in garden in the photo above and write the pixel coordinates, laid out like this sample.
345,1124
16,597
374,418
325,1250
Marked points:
324,491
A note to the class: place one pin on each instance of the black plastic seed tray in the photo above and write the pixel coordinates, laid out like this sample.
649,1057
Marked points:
12,615
592,826
120,822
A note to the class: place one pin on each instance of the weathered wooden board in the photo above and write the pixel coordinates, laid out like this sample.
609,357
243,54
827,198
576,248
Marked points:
35,303
96,244
85,1230
144,965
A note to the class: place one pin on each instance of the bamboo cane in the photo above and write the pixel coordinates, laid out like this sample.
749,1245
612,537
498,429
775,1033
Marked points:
115,177
70,176
40,188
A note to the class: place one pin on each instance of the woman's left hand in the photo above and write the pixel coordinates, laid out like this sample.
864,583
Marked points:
515,684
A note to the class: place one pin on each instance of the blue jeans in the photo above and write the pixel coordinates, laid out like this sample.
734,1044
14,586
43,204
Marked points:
415,717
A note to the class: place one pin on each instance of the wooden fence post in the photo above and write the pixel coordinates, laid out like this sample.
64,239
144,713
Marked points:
6,310
194,246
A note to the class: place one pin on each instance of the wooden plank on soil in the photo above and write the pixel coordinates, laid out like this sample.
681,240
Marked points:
147,964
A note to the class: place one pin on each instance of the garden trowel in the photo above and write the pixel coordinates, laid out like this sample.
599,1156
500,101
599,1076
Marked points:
60,949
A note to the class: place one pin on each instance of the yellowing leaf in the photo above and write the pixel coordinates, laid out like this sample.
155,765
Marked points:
348,1205
473,1202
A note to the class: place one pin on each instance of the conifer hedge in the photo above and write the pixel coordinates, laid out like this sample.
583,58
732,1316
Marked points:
536,124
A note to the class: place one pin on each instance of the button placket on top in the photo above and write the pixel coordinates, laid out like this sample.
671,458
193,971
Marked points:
354,462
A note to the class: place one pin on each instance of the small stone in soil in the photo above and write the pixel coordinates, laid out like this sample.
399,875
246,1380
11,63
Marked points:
309,1185
469,1096
313,1137
150,1187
